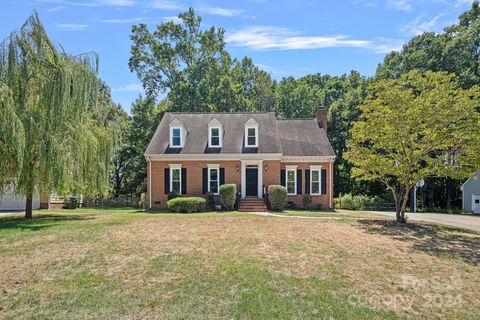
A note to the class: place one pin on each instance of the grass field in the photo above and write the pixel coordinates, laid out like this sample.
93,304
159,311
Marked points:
113,264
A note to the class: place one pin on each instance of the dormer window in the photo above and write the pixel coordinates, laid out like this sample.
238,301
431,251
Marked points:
177,134
251,134
215,134
176,137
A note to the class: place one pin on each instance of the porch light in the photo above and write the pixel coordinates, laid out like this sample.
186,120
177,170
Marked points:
266,167
238,168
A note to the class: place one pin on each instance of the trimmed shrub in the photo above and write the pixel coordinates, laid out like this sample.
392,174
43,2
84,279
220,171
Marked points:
187,204
277,196
360,202
172,195
143,201
228,195
307,201
210,198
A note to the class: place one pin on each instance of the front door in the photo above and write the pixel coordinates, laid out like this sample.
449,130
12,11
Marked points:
476,203
251,180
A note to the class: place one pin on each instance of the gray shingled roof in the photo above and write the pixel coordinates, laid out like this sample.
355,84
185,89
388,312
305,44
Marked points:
290,137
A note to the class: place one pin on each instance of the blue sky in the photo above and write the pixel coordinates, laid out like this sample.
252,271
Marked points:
284,37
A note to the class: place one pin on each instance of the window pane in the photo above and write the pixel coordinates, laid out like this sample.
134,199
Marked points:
176,132
176,186
176,141
291,187
251,132
315,175
213,187
315,187
215,141
251,141
215,132
291,176
176,175
213,174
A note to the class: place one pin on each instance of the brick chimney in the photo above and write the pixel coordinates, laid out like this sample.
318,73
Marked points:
321,117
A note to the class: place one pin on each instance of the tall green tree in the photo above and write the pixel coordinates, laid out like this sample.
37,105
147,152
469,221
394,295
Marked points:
192,67
416,127
54,135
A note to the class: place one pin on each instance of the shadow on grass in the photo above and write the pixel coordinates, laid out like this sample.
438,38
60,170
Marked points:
39,222
438,240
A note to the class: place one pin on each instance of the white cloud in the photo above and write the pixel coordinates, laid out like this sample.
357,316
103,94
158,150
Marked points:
173,19
165,4
273,38
94,3
276,38
419,25
72,27
221,11
400,5
132,87
460,3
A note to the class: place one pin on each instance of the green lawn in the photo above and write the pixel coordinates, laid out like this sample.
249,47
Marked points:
113,264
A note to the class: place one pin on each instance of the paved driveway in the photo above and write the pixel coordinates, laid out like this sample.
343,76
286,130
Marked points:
464,221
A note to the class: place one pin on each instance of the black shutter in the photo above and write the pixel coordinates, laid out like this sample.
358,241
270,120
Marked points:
282,178
167,180
205,180
184,180
222,176
307,181
324,181
299,181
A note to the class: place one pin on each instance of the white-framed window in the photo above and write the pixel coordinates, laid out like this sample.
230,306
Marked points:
251,136
291,181
176,137
176,180
215,137
213,180
315,179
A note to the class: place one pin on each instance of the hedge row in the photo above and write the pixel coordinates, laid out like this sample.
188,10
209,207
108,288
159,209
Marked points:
186,204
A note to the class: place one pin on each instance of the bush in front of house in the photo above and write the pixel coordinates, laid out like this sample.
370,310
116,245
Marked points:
228,195
172,195
359,202
277,196
307,200
186,204
143,201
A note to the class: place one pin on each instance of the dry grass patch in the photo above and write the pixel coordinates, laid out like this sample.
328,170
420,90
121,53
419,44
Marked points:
131,265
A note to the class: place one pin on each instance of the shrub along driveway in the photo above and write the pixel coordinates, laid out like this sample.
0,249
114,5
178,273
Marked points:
121,264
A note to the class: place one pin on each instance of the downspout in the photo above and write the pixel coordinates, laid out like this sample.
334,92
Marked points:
149,183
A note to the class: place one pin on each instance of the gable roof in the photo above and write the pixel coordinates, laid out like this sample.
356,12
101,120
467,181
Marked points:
472,180
287,137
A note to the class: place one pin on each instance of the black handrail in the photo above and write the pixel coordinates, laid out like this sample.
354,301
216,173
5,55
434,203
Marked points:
265,198
237,198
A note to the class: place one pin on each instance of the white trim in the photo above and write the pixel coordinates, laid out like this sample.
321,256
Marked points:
171,137
175,165
307,159
179,168
214,166
259,164
210,168
330,204
220,136
319,170
150,184
316,167
256,136
290,168
214,156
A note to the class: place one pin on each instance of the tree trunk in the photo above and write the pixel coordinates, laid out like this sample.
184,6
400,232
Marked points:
28,206
401,200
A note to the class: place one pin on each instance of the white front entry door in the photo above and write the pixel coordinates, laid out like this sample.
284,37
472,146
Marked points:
476,203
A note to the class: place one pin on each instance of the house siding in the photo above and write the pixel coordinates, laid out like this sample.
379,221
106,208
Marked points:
471,187
271,176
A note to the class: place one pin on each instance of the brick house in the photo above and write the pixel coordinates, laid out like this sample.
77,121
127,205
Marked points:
194,153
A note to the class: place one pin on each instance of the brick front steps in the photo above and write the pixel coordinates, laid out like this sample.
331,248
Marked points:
252,205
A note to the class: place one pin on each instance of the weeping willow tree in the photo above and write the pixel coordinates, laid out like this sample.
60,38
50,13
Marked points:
54,135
